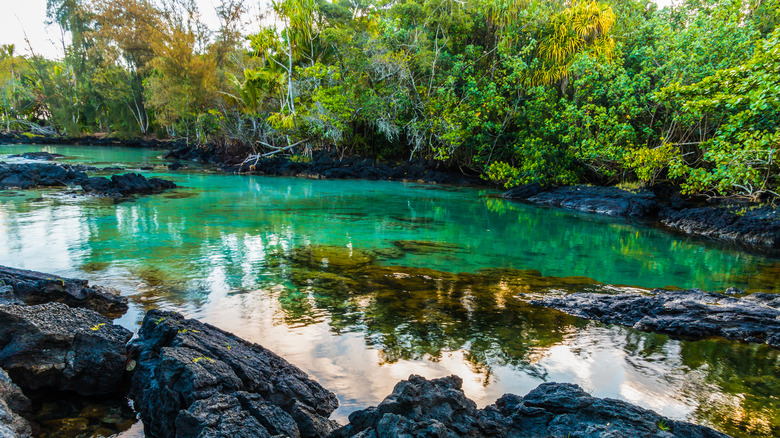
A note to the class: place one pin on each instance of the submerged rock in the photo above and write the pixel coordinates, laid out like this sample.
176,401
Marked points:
610,201
425,246
46,156
331,257
438,407
12,403
30,287
689,314
192,379
57,347
759,227
125,184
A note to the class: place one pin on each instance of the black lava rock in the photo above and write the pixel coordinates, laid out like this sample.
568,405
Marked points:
420,407
30,287
45,156
30,175
610,201
54,346
12,403
192,379
565,410
126,184
755,227
687,314
25,138
438,408
326,165
523,192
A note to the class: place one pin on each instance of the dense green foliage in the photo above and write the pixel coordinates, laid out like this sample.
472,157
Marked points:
518,90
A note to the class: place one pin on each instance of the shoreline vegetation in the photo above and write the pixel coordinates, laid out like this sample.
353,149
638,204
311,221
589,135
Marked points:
556,93
187,378
752,226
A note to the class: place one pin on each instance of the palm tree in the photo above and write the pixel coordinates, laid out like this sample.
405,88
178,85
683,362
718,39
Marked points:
583,27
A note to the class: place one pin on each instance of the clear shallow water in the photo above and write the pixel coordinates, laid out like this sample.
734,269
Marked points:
231,250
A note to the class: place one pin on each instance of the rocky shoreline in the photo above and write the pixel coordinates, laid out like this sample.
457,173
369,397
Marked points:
686,314
322,164
187,378
32,175
326,165
751,226
34,139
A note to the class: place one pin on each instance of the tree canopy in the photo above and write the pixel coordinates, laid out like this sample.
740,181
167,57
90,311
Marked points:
518,91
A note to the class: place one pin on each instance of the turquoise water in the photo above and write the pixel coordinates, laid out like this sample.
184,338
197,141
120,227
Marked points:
223,248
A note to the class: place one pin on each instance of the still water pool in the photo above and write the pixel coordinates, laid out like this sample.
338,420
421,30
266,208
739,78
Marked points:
362,283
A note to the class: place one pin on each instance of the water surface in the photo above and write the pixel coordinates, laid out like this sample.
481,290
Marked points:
362,283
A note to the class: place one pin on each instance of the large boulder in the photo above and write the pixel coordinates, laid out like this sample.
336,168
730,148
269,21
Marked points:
688,314
12,402
754,227
193,379
125,184
57,347
420,407
438,408
565,410
30,175
609,201
31,287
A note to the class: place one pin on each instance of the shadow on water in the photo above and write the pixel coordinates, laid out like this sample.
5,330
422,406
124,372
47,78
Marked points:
55,415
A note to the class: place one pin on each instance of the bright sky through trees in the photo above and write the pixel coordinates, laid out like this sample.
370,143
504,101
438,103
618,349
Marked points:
29,16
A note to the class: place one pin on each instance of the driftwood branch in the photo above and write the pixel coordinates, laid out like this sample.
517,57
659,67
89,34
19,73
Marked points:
277,149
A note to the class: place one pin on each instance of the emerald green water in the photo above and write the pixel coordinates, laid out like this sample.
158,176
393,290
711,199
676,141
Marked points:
341,279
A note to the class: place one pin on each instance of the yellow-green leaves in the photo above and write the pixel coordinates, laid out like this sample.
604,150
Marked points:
583,27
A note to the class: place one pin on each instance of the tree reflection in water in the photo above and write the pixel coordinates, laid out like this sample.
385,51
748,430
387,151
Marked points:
412,314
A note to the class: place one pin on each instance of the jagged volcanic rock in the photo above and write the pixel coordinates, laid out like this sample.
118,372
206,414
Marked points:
32,287
192,379
12,402
57,347
438,407
689,314
758,227
125,184
610,201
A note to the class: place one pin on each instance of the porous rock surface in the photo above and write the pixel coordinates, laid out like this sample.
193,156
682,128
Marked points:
19,286
438,408
195,380
57,347
688,314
